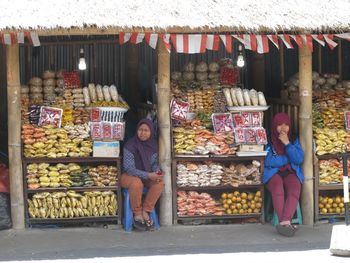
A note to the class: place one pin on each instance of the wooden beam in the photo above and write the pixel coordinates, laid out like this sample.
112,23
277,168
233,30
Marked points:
163,102
305,132
14,135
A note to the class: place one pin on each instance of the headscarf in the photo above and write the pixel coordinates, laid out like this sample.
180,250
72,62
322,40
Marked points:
279,119
143,150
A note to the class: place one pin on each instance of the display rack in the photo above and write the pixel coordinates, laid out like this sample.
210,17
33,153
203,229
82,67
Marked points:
80,160
215,189
328,188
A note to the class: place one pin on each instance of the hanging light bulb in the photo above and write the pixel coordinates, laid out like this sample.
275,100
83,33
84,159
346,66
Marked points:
82,63
240,58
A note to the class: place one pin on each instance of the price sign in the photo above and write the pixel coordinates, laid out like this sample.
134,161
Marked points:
179,109
222,122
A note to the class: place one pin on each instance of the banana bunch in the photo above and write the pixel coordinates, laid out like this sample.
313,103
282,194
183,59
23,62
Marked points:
330,141
331,171
184,140
333,118
56,143
72,204
317,121
120,104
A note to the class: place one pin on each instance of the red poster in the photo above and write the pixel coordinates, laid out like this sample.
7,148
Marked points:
261,136
257,119
179,109
238,120
239,136
96,131
250,136
222,122
247,121
107,130
50,115
118,130
95,115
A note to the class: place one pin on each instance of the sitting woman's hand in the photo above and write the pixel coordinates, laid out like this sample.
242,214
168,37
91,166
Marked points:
155,176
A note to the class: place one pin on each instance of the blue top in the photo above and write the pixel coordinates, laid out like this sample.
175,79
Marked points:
129,165
294,157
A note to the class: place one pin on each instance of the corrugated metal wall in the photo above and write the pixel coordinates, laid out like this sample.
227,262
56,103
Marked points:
3,101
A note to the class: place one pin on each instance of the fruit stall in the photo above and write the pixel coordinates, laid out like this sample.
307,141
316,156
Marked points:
68,177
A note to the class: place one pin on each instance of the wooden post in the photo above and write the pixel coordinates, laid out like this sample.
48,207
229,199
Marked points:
305,132
14,135
163,98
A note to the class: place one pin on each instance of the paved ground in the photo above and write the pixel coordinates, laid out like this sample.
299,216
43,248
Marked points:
91,242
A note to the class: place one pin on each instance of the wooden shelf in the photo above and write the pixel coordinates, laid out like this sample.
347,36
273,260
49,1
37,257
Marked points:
72,220
216,158
77,189
330,187
331,156
220,217
219,187
71,160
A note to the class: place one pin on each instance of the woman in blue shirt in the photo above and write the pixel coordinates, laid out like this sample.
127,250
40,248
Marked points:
283,173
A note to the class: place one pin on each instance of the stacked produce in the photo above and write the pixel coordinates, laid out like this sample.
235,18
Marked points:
317,121
199,175
238,97
331,204
72,204
330,141
330,171
201,99
35,91
241,202
51,142
193,203
202,141
24,104
68,98
49,84
238,174
78,98
80,116
78,132
104,175
80,177
219,101
106,96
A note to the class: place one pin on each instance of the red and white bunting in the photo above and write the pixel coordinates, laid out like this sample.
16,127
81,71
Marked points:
274,40
136,38
33,38
344,36
20,38
286,41
329,39
151,40
124,37
297,39
227,40
319,39
189,44
249,41
262,44
307,39
166,40
213,42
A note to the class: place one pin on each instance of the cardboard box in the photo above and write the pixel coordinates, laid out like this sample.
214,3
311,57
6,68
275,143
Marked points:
106,149
251,148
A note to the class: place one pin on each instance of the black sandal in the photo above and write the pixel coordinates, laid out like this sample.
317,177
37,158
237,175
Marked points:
286,230
140,225
149,223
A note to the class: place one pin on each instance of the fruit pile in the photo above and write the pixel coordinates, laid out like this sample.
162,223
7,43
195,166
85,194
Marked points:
330,141
241,202
331,171
331,205
72,204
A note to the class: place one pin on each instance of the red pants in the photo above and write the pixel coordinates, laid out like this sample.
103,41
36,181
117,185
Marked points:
135,187
282,187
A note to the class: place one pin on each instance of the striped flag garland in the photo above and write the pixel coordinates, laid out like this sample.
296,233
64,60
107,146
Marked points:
274,40
344,36
136,38
262,44
151,40
286,41
227,40
329,39
319,39
189,44
213,42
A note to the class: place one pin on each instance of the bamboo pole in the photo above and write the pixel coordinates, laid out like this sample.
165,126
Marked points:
305,131
163,102
14,136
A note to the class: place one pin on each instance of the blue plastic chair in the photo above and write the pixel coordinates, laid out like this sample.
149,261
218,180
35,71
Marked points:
128,217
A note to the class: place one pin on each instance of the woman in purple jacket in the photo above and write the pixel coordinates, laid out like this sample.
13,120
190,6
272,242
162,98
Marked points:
283,173
141,168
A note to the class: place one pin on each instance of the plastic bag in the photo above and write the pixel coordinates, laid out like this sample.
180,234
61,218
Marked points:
5,211
4,179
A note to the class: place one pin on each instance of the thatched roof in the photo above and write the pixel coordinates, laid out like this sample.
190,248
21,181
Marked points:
113,16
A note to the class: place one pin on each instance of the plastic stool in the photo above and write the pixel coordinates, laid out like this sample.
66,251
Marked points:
128,217
296,220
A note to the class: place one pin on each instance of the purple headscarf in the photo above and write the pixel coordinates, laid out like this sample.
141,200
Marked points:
279,119
143,150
